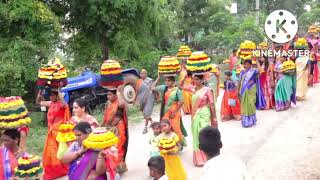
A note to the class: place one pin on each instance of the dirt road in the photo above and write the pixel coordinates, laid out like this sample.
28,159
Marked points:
282,146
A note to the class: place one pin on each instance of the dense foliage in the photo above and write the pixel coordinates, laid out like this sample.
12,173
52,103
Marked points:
136,32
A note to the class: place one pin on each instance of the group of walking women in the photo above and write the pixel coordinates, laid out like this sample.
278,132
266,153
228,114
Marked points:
264,85
79,162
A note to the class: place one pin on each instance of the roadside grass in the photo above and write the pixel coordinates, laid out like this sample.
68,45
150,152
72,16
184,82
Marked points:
37,134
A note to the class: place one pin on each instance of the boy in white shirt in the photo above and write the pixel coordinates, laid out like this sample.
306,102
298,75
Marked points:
219,166
156,166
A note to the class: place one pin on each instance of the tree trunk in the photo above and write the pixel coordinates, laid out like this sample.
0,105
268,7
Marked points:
186,37
105,48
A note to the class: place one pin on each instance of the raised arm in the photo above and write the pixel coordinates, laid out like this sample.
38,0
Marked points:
153,86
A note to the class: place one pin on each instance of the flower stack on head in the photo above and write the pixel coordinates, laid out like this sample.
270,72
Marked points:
313,29
13,113
167,145
246,50
289,67
184,53
226,61
263,46
301,43
53,74
169,66
65,133
111,74
28,166
214,68
198,63
100,139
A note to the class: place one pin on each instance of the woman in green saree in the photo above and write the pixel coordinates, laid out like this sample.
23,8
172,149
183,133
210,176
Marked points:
171,105
251,95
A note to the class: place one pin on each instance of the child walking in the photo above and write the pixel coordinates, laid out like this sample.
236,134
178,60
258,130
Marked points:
230,106
154,141
168,146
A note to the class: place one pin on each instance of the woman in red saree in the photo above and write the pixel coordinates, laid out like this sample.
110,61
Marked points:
230,105
9,153
267,82
58,113
111,119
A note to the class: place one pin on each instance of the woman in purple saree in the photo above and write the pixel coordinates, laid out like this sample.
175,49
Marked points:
251,95
84,164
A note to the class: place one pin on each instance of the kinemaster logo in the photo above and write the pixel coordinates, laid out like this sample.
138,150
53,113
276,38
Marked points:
281,26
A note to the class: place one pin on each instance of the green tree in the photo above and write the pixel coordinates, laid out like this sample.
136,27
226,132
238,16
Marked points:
29,33
125,29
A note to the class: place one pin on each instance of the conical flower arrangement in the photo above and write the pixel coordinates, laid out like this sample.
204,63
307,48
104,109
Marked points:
169,66
198,63
100,139
184,53
289,67
111,76
301,43
53,75
28,166
13,113
246,50
65,133
167,145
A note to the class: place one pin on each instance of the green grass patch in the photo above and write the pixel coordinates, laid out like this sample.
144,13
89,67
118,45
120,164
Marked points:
37,134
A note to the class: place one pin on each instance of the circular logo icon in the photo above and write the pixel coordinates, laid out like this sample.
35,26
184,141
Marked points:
281,26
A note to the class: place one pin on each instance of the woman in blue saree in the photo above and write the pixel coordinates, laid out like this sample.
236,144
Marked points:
84,164
250,94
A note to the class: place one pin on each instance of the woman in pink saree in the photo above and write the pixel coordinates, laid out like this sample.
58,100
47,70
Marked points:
203,114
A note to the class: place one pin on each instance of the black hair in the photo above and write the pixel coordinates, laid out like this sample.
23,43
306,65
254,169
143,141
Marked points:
157,163
53,91
13,134
200,76
228,73
155,124
119,113
82,103
210,141
266,63
165,121
247,61
171,78
234,50
83,127
113,91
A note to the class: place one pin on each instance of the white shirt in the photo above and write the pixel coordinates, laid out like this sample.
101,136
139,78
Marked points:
164,177
224,168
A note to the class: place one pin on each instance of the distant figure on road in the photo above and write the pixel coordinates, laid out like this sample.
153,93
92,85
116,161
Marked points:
219,166
145,97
